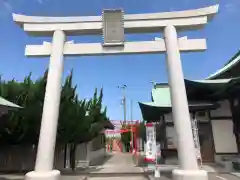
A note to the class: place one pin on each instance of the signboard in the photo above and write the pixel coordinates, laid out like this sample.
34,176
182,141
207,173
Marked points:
151,142
158,153
113,27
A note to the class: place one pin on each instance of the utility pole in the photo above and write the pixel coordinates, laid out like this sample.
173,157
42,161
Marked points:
132,135
123,87
131,109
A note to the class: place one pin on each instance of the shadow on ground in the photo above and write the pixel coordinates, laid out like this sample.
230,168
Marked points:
11,177
95,167
102,161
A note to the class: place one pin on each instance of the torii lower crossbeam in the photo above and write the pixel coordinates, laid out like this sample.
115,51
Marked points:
94,49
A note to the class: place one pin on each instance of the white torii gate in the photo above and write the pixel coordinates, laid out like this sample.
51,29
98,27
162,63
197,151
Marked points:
168,22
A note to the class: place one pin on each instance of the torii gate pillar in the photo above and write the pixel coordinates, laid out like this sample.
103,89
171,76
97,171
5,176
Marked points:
48,131
186,151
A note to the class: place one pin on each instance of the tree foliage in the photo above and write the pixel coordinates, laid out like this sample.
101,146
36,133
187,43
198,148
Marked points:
74,125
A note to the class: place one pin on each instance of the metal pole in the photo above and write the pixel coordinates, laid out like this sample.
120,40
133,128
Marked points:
131,110
132,135
123,87
124,105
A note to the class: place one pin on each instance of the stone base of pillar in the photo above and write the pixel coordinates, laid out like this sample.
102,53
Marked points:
157,173
48,175
179,174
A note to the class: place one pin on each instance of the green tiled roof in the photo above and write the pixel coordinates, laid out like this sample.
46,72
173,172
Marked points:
161,96
233,58
4,102
213,81
229,65
152,111
157,104
191,105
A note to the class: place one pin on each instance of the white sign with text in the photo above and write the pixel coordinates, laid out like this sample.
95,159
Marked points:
151,142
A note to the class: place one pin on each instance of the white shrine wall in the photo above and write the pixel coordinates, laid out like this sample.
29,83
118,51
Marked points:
222,129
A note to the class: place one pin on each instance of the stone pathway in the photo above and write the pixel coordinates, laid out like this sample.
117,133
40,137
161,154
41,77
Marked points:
118,167
211,176
116,163
21,177
120,160
121,178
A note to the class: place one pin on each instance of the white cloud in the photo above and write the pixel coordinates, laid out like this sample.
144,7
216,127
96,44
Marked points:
40,1
230,7
7,5
186,2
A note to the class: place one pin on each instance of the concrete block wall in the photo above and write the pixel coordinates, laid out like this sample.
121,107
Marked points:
85,156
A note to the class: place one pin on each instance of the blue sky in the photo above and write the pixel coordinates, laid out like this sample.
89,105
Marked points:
136,71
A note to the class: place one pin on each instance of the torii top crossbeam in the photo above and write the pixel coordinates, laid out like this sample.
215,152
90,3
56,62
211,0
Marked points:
133,23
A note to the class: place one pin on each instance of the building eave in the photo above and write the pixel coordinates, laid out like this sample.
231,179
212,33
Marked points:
152,111
200,105
233,62
9,105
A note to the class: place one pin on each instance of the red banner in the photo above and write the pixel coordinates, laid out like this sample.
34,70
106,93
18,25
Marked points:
117,131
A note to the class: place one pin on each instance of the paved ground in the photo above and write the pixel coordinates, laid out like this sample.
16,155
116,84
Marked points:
115,163
21,177
119,166
211,176
121,178
119,160
164,176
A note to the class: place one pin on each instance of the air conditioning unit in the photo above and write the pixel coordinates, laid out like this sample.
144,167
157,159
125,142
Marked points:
201,113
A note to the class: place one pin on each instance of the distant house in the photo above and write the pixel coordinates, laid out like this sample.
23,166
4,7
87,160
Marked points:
114,135
214,102
117,124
